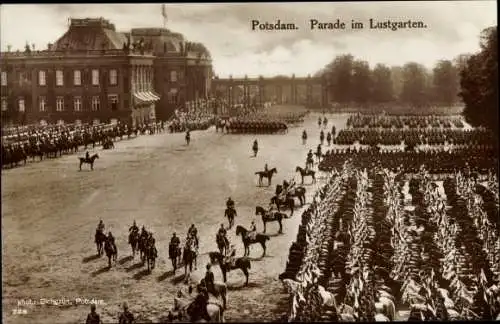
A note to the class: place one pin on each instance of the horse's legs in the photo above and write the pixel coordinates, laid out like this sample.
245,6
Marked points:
281,226
302,179
263,221
245,271
264,248
109,261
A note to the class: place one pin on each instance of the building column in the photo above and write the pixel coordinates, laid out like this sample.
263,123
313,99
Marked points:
309,94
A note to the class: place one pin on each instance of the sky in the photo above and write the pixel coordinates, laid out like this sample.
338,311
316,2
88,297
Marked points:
453,28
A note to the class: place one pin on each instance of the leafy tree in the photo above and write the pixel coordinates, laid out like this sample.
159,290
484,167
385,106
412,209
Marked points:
414,84
339,73
479,83
361,82
445,83
397,80
383,90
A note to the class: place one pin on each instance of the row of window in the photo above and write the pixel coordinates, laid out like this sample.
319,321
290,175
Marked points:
77,77
77,103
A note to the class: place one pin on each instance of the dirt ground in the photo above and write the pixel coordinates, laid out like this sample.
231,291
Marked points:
50,211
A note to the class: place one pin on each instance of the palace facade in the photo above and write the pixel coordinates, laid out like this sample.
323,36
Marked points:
95,74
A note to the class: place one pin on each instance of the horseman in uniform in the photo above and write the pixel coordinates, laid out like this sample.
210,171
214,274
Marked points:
87,155
193,233
266,170
209,279
253,231
100,227
309,159
231,256
151,242
255,147
111,240
132,229
229,203
223,234
175,241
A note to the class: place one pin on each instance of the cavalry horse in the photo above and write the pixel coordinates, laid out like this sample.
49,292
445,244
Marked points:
222,243
133,240
185,310
150,255
111,251
189,256
239,263
287,202
266,174
230,213
270,217
259,238
298,192
90,160
175,255
100,238
306,173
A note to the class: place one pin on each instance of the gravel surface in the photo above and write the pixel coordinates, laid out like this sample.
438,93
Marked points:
50,212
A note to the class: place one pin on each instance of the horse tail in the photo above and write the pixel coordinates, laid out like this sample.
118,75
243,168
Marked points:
267,238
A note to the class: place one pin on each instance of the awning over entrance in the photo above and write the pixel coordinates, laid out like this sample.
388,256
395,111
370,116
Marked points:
146,96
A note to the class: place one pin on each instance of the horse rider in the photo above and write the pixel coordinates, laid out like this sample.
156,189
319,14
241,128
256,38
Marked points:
87,155
133,228
199,305
93,317
100,226
209,279
126,317
223,233
309,158
229,203
253,231
230,256
144,233
318,151
266,168
193,232
111,240
175,241
304,134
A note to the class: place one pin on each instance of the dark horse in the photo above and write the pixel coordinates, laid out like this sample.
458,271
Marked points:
266,174
306,173
90,161
259,238
230,213
100,238
270,217
222,243
133,240
240,263
111,251
150,255
297,192
287,202
189,256
175,255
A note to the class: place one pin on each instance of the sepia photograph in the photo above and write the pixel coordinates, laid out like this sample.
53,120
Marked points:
249,162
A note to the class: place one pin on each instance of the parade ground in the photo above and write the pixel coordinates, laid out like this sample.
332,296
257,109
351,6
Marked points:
50,211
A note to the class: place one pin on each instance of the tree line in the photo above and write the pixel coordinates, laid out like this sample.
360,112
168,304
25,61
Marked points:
353,81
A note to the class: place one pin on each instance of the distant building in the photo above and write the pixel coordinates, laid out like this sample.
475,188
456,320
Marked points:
94,73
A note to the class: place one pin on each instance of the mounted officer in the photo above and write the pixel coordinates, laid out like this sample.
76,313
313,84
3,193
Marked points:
193,233
133,228
255,148
87,155
175,241
231,256
253,231
222,233
100,227
229,203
